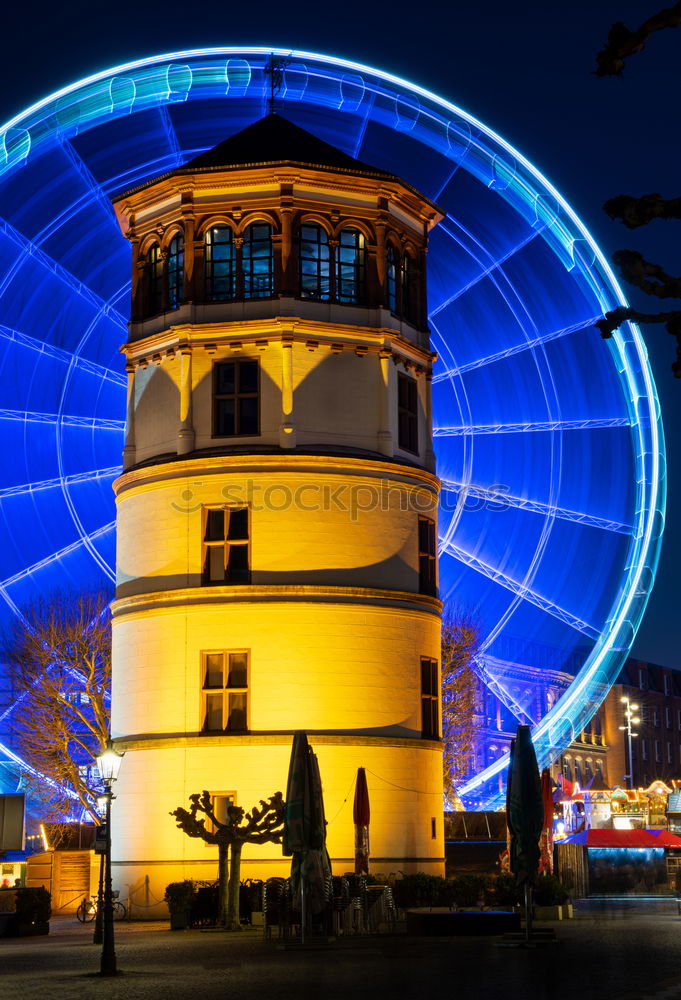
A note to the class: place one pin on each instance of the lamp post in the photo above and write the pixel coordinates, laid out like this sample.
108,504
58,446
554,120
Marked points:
631,719
108,763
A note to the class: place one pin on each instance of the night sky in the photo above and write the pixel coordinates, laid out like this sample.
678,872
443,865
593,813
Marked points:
524,69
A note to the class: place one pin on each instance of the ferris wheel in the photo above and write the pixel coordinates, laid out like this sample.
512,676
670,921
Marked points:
548,439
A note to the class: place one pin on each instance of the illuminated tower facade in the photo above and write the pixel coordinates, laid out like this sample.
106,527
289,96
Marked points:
277,513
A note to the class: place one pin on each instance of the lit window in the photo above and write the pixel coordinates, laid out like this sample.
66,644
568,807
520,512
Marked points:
225,691
408,296
578,770
258,261
236,398
350,266
314,263
391,277
226,546
154,280
407,413
175,271
429,699
220,803
220,264
427,557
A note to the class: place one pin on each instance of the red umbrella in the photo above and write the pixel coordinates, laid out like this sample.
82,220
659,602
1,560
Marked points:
361,814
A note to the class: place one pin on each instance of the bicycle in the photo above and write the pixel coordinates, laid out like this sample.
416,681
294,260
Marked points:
88,906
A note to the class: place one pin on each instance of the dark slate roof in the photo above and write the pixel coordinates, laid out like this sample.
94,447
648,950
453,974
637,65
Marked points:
274,139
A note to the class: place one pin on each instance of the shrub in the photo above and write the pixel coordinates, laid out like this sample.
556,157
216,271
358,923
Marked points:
503,890
468,889
419,890
33,905
550,891
179,896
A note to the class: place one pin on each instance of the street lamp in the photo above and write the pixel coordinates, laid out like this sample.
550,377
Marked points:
631,720
108,763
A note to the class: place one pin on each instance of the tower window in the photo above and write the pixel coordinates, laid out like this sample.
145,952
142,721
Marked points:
258,261
427,557
225,692
408,297
314,263
350,270
155,280
407,413
429,699
175,271
236,398
226,545
391,277
220,264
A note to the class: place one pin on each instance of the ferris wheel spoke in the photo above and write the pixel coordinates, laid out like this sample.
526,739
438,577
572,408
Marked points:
32,250
462,430
59,482
58,354
63,419
526,345
484,494
59,554
363,127
521,590
171,136
91,184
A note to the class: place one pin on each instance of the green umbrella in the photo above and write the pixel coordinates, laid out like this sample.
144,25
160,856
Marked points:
524,815
305,830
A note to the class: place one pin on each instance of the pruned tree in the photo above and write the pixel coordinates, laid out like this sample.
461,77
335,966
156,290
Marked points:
460,687
259,826
59,658
650,278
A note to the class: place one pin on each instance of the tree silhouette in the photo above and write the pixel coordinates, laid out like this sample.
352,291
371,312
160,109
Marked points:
259,826
652,279
460,688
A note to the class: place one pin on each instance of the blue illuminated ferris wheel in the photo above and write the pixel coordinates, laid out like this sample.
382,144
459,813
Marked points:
548,438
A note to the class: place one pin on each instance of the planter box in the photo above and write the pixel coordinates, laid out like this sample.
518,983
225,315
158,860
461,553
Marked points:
257,918
548,912
179,921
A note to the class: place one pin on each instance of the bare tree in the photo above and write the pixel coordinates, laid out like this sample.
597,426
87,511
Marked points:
650,278
261,826
460,687
59,656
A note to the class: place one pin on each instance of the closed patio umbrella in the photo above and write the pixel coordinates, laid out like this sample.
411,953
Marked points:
305,829
524,815
361,814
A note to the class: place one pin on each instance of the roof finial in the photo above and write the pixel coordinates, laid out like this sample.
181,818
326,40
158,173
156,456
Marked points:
275,70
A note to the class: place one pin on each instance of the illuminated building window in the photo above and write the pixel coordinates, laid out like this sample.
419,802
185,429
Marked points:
567,773
429,699
236,398
314,263
408,296
350,266
220,803
175,271
225,691
407,413
391,277
257,261
226,546
154,280
427,557
578,770
220,264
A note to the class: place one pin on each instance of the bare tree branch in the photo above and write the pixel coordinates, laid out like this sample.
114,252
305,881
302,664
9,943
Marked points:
623,43
460,642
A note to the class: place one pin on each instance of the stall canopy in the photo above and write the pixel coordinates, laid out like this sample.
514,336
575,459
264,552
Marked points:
622,838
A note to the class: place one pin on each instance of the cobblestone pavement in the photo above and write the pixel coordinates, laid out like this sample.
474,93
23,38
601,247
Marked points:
613,953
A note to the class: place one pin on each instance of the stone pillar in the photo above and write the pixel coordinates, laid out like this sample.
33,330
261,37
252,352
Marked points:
287,430
185,434
129,451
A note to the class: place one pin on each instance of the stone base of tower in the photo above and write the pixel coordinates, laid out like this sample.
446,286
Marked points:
405,789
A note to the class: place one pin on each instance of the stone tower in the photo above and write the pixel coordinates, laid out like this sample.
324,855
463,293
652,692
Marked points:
277,513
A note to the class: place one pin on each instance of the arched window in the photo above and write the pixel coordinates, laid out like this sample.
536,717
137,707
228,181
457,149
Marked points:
391,277
175,271
350,266
314,265
220,264
408,296
578,770
258,261
154,280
